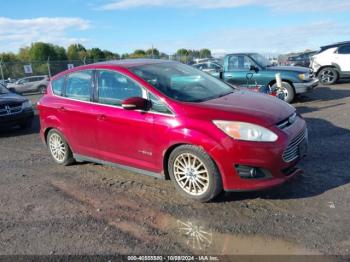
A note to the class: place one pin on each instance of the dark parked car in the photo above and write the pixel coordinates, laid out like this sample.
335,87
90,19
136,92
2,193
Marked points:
167,119
303,59
14,109
30,84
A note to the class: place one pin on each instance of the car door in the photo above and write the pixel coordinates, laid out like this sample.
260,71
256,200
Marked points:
342,58
32,84
123,136
77,114
237,70
22,86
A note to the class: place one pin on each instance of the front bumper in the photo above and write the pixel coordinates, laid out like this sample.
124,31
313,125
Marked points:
265,156
16,119
305,86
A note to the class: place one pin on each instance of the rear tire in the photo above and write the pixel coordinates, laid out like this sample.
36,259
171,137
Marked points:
59,148
288,91
194,173
328,76
42,89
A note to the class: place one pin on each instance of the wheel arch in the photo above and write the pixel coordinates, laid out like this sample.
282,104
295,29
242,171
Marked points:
333,65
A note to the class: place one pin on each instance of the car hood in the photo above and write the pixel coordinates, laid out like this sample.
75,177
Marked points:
297,69
11,98
248,106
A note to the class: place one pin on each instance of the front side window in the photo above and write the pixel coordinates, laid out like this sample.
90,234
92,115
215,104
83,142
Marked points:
57,86
182,82
158,105
345,49
78,85
114,87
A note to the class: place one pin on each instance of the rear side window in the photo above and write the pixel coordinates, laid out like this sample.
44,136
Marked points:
345,49
113,88
57,86
78,85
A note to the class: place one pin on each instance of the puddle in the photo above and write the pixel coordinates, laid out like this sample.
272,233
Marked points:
150,225
200,239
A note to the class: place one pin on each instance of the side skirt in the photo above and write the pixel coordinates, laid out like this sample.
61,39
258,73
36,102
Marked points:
80,158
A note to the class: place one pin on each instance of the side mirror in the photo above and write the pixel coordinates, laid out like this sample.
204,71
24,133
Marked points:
136,103
254,68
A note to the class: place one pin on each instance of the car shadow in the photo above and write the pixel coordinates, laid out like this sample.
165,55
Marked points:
326,167
17,131
323,93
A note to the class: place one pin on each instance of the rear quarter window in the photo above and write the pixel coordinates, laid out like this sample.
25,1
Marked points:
57,86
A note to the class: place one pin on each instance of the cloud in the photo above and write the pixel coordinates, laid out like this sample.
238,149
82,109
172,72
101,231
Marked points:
276,5
257,39
15,33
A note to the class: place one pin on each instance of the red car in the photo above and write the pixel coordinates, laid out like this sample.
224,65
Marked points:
170,120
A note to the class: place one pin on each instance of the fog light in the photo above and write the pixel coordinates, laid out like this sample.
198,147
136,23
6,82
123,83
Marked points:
249,172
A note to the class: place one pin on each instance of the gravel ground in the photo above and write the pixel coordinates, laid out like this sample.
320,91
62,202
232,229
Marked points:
93,209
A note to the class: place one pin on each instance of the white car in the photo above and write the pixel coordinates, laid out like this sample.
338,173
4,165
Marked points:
332,62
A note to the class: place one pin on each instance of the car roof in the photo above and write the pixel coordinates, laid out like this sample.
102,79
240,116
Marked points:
335,45
248,53
128,63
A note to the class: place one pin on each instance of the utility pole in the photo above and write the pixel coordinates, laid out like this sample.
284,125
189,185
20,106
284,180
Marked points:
48,66
2,73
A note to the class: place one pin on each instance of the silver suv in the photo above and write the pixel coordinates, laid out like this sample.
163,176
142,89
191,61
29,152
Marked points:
30,84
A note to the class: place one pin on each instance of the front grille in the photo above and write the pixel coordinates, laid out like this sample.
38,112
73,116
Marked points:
292,151
10,109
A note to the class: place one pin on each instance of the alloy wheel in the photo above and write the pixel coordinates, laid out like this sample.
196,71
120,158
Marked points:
191,174
327,76
57,147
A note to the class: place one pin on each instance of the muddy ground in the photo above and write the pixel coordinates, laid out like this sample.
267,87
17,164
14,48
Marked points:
93,209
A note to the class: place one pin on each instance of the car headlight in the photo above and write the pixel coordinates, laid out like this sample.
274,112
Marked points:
26,105
304,77
246,131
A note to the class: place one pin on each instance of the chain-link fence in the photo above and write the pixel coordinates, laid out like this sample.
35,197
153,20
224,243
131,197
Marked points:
13,70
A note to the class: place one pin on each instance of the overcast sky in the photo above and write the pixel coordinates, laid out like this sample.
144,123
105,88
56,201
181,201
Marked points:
270,26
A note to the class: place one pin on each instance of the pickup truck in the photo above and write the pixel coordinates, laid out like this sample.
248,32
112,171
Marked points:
252,69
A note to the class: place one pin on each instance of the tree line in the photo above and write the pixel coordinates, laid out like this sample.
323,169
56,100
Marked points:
43,51
40,55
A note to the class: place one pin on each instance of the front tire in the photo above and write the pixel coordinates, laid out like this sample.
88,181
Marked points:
287,90
194,173
328,76
59,148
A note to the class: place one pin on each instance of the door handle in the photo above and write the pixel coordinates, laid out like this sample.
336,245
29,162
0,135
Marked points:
62,109
228,76
101,117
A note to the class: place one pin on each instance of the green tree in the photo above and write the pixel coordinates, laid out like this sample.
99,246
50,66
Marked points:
42,51
204,53
76,52
138,53
60,53
182,52
110,55
96,54
152,52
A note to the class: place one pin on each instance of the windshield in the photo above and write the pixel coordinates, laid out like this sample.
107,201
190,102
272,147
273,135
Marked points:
182,82
261,60
3,90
